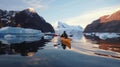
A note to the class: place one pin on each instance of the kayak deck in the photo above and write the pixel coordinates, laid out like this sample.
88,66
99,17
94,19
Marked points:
66,42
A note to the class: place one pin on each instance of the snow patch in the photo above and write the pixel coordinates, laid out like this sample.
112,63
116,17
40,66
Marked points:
31,10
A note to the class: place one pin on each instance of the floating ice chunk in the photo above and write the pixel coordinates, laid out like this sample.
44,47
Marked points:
104,36
19,32
108,35
89,34
47,37
10,35
95,46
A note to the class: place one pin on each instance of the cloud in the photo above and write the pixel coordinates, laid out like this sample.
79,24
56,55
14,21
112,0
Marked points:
38,4
88,17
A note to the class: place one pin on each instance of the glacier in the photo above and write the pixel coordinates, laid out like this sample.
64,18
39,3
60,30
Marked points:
74,31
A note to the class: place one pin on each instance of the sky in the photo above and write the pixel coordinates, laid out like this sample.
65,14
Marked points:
72,12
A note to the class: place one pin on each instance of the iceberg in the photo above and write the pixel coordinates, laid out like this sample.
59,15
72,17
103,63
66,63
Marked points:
103,36
47,37
74,31
12,35
12,32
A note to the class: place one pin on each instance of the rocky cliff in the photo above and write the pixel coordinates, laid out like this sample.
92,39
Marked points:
107,23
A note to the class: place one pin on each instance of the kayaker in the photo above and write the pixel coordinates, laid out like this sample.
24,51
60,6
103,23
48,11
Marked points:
64,35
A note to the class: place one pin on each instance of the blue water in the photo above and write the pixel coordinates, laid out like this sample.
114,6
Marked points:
41,53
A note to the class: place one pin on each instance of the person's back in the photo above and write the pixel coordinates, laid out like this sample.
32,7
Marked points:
64,35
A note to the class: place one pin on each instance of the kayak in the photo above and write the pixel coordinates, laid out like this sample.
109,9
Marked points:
66,42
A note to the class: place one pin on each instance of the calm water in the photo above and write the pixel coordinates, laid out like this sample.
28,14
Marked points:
34,52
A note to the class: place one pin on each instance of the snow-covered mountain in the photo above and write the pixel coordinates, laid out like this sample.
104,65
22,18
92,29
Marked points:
64,25
70,30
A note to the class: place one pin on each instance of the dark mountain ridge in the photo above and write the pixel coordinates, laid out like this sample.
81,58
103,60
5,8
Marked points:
107,23
27,18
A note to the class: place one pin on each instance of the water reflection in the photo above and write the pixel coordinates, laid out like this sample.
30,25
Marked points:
47,56
22,46
63,46
113,46
19,39
63,42
108,45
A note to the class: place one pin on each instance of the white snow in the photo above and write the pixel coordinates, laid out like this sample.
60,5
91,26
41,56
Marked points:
31,10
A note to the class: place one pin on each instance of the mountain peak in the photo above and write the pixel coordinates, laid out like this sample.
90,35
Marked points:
60,24
31,10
